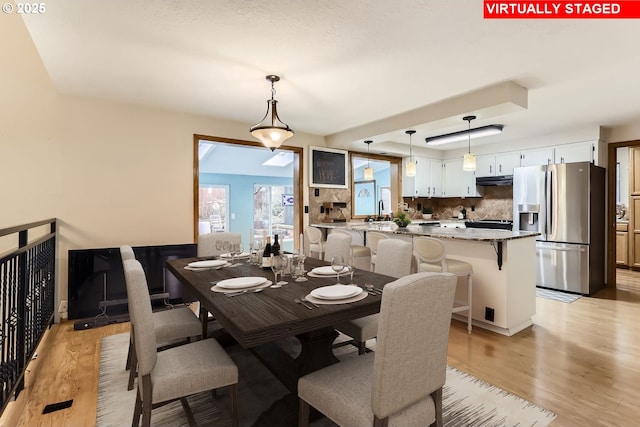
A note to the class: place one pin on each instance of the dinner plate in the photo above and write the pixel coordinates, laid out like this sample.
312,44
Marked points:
242,255
335,292
216,288
241,282
328,271
207,264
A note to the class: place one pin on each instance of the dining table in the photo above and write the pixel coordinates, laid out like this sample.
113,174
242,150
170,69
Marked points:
258,320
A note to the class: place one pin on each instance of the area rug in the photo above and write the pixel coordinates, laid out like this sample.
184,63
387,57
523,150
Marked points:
557,295
467,401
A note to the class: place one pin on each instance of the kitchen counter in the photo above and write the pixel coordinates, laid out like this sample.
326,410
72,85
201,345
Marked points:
504,275
478,234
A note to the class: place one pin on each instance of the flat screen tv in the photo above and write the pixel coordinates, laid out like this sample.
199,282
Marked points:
96,279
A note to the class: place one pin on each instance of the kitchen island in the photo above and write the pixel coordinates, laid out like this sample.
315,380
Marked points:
504,262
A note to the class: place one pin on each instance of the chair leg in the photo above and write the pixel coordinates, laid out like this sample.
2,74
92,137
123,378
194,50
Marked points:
362,347
128,365
437,401
133,371
303,414
147,402
188,412
234,405
137,410
470,287
377,422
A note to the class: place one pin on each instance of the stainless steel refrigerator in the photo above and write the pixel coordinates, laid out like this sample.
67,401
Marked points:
566,204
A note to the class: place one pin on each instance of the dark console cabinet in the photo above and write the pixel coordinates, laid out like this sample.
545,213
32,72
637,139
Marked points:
96,279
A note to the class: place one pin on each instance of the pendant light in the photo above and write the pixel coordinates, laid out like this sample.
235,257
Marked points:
469,160
368,171
271,131
411,164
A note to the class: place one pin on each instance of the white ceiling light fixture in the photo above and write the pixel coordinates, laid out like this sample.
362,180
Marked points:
464,134
272,131
469,160
411,164
368,171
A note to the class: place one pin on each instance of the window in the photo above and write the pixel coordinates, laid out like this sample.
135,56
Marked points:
377,197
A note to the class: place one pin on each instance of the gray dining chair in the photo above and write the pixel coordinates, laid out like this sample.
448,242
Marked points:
395,260
373,237
178,372
313,237
207,243
337,244
359,255
175,325
400,384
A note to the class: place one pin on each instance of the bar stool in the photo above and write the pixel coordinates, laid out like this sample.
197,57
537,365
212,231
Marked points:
432,257
360,255
373,237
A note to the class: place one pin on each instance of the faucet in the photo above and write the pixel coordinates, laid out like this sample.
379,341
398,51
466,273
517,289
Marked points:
380,208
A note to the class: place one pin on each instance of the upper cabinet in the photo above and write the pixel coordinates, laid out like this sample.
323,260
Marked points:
576,152
538,156
497,164
428,179
457,182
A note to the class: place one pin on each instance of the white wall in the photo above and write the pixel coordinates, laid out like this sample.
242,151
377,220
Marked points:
111,173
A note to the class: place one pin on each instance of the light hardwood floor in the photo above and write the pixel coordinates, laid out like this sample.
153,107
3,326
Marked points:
580,360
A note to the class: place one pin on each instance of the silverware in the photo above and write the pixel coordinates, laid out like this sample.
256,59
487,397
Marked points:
299,301
235,294
370,288
304,299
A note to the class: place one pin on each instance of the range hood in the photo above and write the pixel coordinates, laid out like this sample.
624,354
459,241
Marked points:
495,180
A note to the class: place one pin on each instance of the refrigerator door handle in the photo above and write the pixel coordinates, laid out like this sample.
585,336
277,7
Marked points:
548,180
561,249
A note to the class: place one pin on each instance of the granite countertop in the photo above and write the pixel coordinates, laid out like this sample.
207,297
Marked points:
477,234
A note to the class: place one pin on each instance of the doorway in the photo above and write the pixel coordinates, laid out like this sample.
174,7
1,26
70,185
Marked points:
238,184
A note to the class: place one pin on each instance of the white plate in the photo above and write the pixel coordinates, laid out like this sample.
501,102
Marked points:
207,264
241,282
335,292
242,255
328,271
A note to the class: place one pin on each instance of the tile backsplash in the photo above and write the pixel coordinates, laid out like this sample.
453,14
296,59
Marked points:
496,203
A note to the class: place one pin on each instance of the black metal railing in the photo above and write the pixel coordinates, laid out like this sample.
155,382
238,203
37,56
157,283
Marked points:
27,299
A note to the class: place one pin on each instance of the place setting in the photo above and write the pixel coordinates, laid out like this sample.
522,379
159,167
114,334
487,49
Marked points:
210,264
337,268
241,285
336,294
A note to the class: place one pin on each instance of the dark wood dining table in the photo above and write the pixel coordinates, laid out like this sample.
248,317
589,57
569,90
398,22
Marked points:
257,320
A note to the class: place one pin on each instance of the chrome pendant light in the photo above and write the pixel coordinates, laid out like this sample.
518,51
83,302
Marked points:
411,164
368,171
469,160
272,131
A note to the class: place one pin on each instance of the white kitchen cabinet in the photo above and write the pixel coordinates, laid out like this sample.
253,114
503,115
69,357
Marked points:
428,179
436,189
457,182
538,156
576,152
497,164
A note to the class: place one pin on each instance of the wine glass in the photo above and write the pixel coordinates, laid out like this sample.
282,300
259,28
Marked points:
298,268
236,249
278,264
337,265
255,249
219,247
226,246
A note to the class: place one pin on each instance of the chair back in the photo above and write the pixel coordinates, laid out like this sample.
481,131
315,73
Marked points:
207,243
126,252
411,349
430,251
141,316
337,244
345,232
394,258
373,237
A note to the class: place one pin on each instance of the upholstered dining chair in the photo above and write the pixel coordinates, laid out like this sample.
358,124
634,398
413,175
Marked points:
178,372
176,324
359,255
337,244
432,257
207,243
373,237
400,384
314,238
394,259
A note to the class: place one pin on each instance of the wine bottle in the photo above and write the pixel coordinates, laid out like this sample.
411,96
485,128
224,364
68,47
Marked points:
275,248
266,254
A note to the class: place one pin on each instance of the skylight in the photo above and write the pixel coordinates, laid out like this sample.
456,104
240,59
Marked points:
280,159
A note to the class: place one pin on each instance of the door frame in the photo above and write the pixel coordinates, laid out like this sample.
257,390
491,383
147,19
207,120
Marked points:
298,162
612,157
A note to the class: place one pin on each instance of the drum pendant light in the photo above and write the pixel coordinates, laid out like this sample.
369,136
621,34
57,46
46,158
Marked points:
271,131
368,171
469,159
411,164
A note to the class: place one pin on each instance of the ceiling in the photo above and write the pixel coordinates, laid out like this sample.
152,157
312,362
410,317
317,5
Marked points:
351,70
